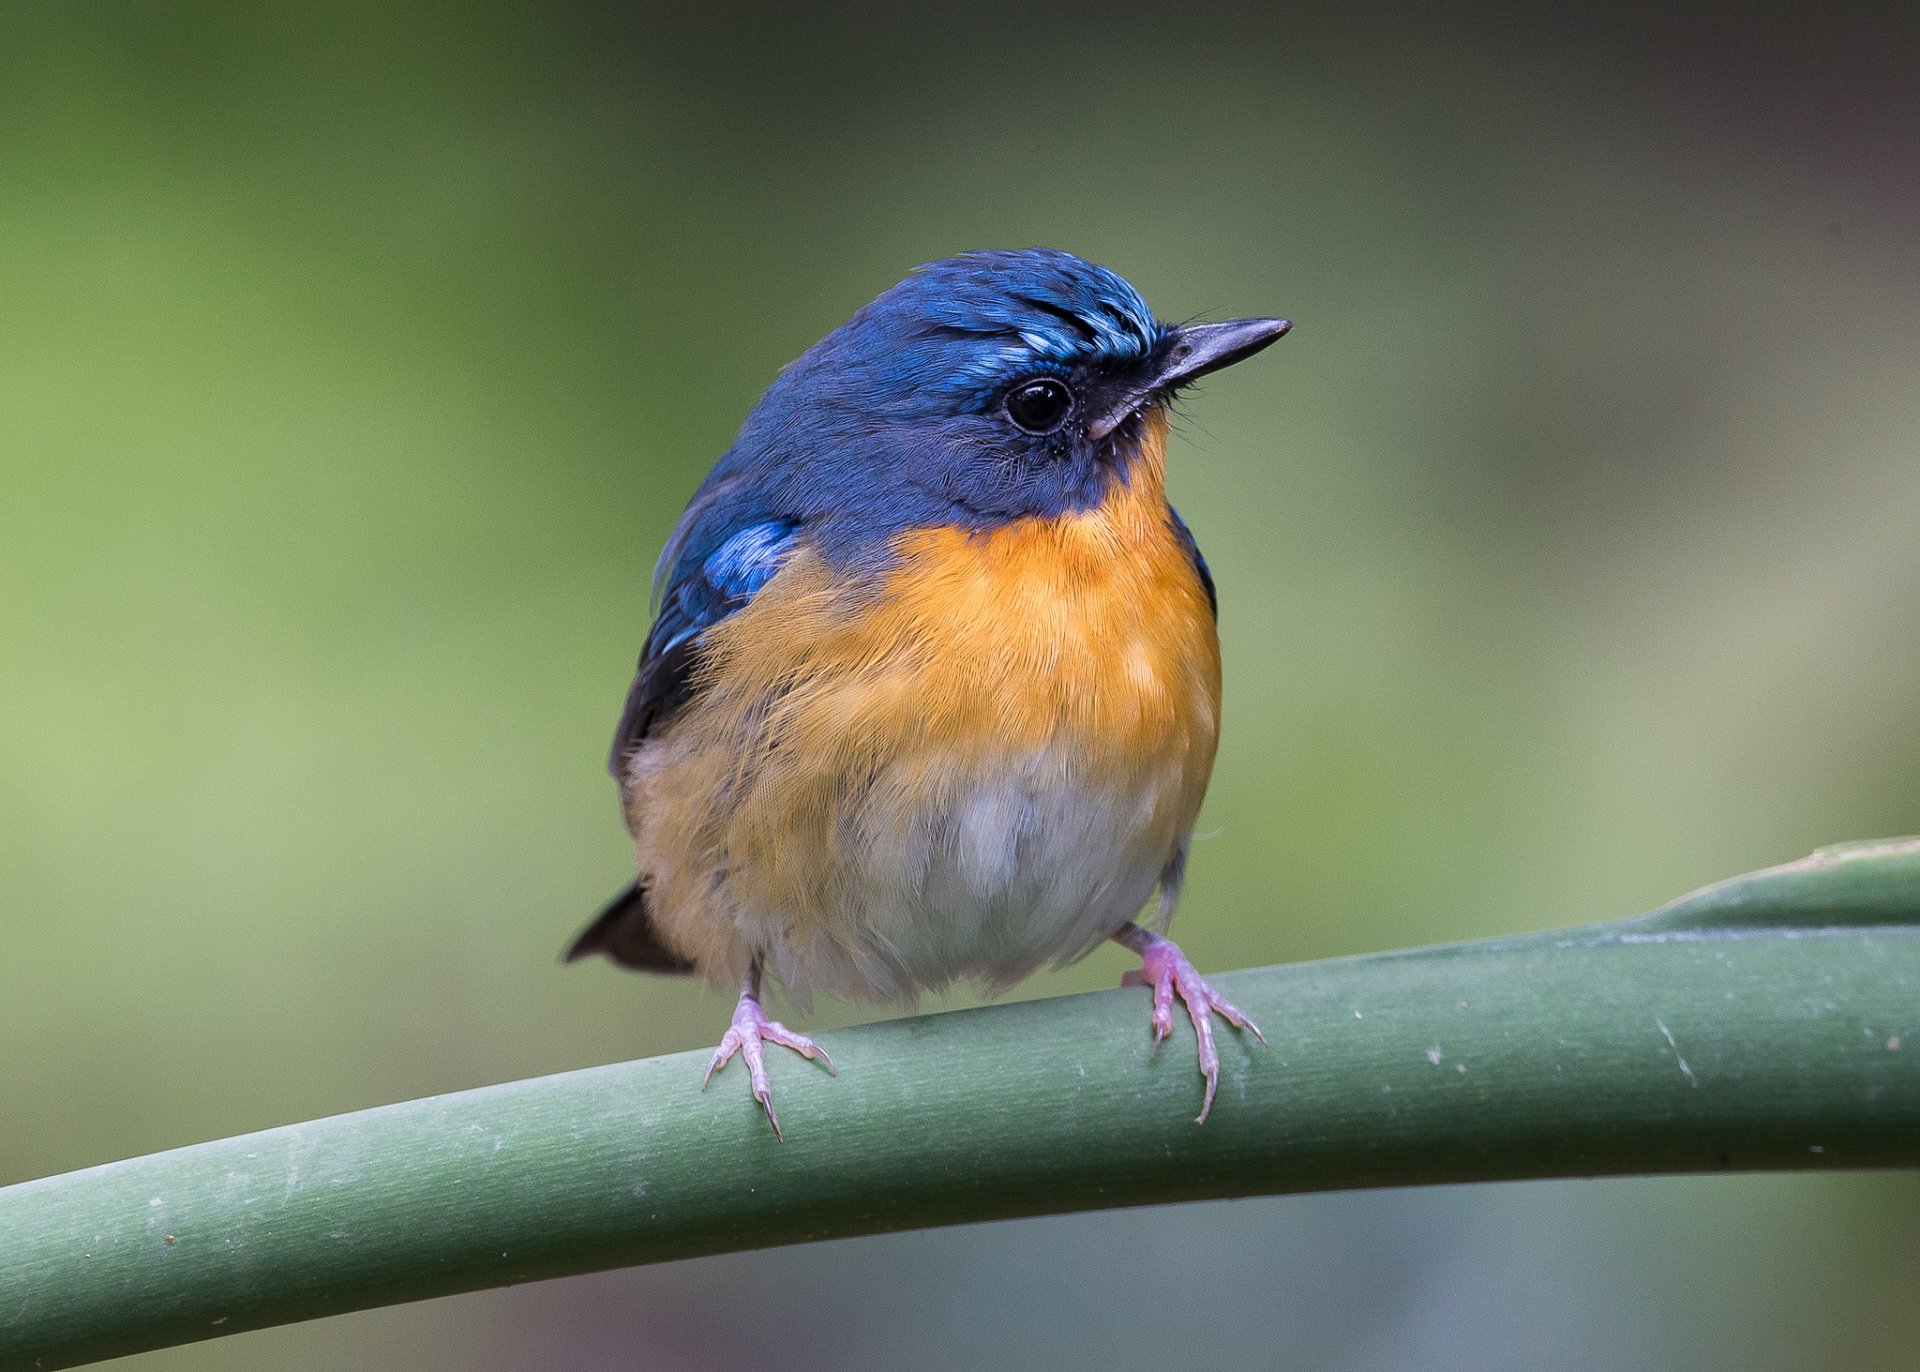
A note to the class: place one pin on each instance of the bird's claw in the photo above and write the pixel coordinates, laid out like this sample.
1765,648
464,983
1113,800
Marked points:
1165,971
751,1028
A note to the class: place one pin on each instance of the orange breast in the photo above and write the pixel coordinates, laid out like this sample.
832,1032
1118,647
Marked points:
1094,624
811,784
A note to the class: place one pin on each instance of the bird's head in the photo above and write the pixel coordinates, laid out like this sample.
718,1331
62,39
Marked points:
984,387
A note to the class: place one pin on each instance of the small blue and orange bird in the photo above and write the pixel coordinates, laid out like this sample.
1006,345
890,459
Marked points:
934,689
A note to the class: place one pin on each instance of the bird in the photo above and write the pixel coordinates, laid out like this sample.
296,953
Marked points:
932,691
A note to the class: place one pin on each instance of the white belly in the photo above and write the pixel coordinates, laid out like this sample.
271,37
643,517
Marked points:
1011,873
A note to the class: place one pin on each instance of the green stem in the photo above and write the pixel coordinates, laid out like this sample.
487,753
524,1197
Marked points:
1772,1022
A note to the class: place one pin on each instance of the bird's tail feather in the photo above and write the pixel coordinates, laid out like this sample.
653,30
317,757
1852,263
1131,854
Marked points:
623,930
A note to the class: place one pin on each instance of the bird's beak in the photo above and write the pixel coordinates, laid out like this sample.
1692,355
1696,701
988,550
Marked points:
1196,350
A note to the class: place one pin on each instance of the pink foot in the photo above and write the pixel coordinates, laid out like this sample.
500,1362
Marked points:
749,1028
1165,969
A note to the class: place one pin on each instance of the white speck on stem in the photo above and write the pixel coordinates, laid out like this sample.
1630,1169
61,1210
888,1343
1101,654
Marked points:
1434,1055
1685,1070
1893,1044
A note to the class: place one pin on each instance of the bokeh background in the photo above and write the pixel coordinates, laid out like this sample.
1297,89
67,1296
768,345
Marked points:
356,359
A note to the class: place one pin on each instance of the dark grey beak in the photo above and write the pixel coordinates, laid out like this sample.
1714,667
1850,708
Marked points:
1197,350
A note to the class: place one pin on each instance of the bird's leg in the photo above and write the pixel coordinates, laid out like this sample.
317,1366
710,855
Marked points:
1164,969
749,1028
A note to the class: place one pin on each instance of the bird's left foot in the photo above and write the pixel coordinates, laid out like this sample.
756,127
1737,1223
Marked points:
1164,969
750,1028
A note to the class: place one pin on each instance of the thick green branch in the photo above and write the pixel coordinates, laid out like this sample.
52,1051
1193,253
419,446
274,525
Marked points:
1768,1023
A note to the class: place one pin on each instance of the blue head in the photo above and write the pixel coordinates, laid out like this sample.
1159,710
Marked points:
983,388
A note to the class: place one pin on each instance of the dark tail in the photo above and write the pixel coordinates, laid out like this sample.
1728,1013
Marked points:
624,932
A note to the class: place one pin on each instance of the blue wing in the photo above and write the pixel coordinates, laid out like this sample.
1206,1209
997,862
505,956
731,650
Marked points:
1199,563
699,595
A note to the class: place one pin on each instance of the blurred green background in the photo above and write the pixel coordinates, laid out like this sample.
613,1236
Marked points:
357,359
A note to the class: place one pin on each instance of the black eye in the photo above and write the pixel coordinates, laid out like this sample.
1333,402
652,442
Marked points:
1039,406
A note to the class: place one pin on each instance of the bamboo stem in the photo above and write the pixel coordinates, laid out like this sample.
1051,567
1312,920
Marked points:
1758,1025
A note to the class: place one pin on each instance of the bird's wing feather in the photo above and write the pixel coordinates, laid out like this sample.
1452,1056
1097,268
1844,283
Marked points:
1192,546
700,593
704,585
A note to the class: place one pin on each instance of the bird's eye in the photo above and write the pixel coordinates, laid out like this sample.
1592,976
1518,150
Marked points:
1039,406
